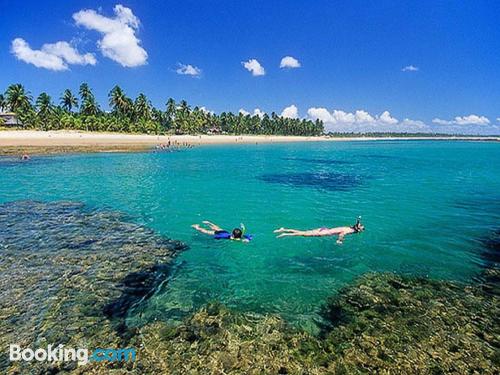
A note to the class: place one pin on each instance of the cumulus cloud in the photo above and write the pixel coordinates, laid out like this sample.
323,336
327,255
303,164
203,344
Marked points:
254,67
53,56
119,42
289,62
189,70
206,110
290,112
410,68
464,120
256,112
362,121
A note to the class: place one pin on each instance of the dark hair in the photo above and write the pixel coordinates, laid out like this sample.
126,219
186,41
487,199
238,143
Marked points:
237,233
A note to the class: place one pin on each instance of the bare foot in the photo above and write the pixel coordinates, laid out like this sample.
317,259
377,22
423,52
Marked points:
279,230
195,226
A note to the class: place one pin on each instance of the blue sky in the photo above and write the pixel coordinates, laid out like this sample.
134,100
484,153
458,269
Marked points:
352,57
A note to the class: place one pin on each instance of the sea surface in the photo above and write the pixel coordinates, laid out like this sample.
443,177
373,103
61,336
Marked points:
427,207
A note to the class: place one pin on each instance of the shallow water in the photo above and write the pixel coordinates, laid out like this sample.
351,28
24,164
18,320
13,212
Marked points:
426,206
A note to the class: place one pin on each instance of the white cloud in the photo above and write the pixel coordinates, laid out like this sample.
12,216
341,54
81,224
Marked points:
410,68
464,120
362,121
256,112
206,110
189,70
289,62
55,56
441,122
498,119
472,119
254,67
320,114
119,42
386,118
290,112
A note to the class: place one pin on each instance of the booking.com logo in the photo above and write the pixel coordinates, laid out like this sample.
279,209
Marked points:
61,354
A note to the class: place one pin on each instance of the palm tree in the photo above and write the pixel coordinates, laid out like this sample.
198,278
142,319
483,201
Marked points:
85,91
45,109
142,107
119,102
171,108
44,104
90,107
68,100
17,98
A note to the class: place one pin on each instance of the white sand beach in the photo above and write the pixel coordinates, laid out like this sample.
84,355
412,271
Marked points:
92,141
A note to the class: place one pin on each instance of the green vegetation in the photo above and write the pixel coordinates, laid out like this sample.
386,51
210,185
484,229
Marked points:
140,116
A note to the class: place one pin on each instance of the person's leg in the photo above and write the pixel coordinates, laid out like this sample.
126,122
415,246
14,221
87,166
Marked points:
212,226
294,233
305,233
203,230
282,230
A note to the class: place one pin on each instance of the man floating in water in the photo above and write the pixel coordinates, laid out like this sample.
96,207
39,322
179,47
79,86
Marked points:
341,232
238,234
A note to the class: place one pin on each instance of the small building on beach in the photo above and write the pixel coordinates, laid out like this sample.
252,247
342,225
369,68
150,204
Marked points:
9,119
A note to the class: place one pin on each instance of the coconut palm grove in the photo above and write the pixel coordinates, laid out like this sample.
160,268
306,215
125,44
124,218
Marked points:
82,112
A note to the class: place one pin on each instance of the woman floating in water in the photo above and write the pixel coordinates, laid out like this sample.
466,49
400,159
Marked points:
238,234
321,232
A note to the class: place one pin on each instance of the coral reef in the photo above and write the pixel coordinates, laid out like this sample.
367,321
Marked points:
68,275
384,323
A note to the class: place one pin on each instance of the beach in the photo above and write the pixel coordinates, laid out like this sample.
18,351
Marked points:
42,142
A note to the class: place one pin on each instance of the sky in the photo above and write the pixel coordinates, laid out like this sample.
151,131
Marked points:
356,65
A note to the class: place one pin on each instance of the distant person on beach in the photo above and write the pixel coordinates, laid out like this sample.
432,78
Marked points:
237,234
341,232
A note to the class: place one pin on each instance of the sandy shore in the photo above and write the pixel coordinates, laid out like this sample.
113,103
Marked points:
16,141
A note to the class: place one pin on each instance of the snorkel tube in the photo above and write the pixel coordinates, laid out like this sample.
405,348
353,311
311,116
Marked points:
247,237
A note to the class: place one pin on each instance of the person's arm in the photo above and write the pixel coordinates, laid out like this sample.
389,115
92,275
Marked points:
340,240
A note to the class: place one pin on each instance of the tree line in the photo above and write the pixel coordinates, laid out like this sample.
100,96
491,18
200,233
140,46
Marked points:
83,112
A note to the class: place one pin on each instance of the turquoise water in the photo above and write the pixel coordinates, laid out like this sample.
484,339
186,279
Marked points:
426,206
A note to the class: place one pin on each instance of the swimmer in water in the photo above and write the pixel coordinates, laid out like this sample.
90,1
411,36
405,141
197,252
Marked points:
237,234
341,232
25,157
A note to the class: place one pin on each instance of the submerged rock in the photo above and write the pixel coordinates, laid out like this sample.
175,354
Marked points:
383,323
68,275
332,181
398,324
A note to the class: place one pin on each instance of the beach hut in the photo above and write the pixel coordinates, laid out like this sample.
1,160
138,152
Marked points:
9,119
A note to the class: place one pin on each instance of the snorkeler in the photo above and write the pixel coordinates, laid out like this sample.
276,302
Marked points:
341,232
237,234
